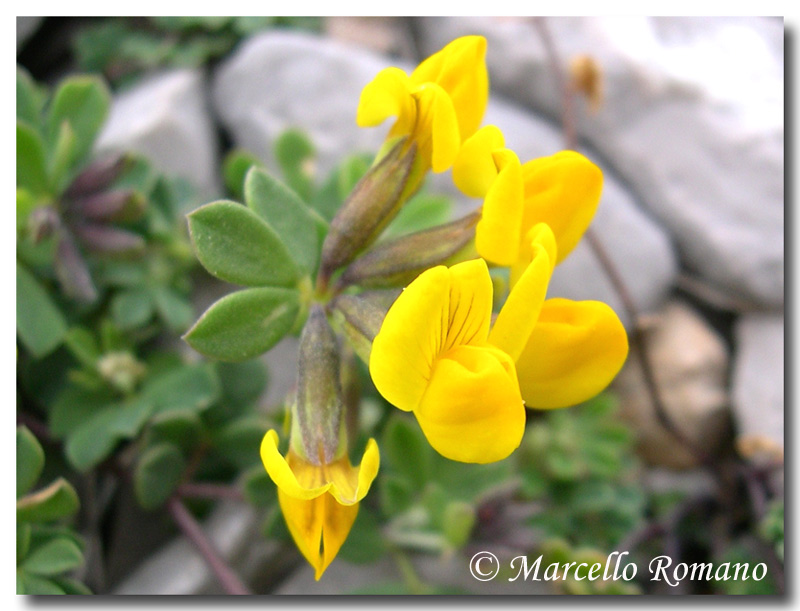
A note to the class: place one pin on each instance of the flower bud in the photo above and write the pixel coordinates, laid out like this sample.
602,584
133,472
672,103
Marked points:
71,270
121,370
319,407
42,223
399,261
99,175
117,205
105,239
375,200
361,317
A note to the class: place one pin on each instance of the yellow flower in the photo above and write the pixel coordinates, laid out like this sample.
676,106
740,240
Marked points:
436,356
438,106
562,190
319,501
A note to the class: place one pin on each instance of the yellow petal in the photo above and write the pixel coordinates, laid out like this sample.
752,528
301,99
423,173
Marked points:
436,130
540,235
351,484
472,410
442,308
470,309
474,169
318,526
575,350
519,314
410,337
387,95
562,190
460,69
299,479
497,235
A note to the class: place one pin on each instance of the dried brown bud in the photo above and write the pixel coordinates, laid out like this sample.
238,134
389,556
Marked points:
587,78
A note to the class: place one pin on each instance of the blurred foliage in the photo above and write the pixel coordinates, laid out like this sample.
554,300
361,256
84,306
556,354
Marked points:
123,48
47,550
580,463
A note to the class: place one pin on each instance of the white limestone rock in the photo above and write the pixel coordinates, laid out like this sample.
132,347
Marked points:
279,80
758,382
166,118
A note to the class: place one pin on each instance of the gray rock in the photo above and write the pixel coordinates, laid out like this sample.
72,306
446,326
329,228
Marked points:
165,117
178,568
26,27
758,395
692,119
690,363
280,80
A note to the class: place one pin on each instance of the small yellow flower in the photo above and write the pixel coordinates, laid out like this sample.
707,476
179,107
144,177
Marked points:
319,501
562,190
436,356
438,106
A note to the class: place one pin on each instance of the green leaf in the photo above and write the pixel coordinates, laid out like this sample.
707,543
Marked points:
157,474
83,346
245,324
94,440
83,102
234,169
54,557
31,584
237,246
175,310
181,428
73,407
295,154
30,99
459,520
30,460
31,160
407,451
259,489
132,308
242,383
61,157
192,387
57,501
300,229
26,203
40,324
240,440
422,212
365,543
72,586
23,540
396,494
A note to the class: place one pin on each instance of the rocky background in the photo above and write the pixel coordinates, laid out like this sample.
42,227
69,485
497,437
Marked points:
690,136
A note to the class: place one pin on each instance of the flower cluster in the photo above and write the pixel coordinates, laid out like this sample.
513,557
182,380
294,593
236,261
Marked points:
467,374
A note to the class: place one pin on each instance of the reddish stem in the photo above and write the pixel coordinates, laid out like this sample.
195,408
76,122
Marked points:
189,526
